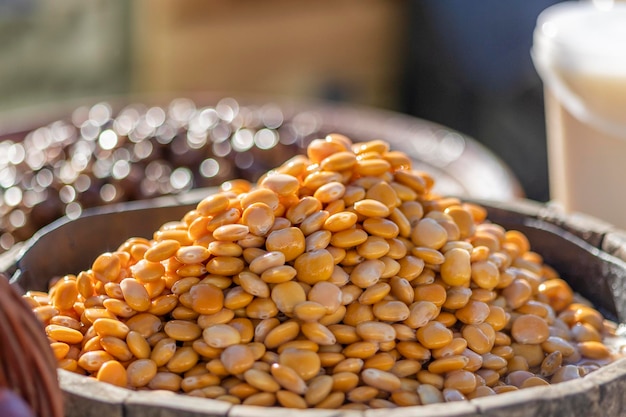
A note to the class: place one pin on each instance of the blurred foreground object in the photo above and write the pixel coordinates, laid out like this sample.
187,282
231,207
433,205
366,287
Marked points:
27,365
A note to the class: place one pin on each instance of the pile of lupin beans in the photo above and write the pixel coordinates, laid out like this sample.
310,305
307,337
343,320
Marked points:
338,280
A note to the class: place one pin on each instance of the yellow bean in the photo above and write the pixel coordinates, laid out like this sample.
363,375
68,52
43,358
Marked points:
281,334
183,360
145,324
289,241
182,330
309,311
314,266
314,222
306,363
206,298
65,294
92,360
135,294
107,267
237,359
480,337
224,265
141,372
112,372
338,161
530,329
288,378
319,388
434,335
64,334
318,333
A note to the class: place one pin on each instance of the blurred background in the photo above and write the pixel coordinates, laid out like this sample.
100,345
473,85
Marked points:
461,63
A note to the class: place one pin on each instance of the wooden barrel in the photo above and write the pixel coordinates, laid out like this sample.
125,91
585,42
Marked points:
589,254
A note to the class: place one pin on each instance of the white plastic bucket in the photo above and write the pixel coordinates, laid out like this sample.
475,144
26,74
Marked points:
579,50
